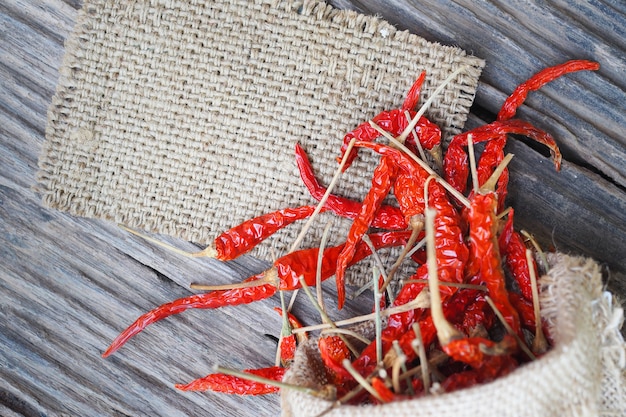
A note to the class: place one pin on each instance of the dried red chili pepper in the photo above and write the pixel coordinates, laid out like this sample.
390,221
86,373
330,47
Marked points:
288,342
284,275
513,250
386,217
485,261
333,351
495,367
382,181
456,164
245,236
385,394
494,150
230,384
395,122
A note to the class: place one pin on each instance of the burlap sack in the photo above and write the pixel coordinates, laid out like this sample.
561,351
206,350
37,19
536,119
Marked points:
583,375
181,117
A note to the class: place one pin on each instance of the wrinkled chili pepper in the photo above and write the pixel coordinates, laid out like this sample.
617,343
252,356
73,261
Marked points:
495,367
244,237
385,394
284,275
485,262
333,351
386,217
230,384
395,122
494,151
382,181
513,250
456,163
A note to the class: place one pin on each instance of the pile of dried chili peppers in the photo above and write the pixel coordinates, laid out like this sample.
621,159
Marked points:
469,313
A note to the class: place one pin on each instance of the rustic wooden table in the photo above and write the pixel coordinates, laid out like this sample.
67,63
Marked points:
69,285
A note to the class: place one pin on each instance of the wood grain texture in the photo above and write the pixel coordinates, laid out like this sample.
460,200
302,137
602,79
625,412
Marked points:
69,285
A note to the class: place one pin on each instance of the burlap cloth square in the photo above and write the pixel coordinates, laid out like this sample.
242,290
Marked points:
180,117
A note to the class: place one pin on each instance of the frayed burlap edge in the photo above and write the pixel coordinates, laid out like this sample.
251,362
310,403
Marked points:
171,119
583,375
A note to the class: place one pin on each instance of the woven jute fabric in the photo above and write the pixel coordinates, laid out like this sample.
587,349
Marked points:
583,375
180,117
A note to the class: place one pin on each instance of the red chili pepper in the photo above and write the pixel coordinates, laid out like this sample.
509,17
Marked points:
456,164
485,261
495,367
333,351
382,180
284,275
494,151
244,237
288,342
230,384
383,391
513,250
394,122
386,217
526,312
473,350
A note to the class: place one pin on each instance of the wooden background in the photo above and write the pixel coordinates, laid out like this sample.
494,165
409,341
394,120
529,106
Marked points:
69,285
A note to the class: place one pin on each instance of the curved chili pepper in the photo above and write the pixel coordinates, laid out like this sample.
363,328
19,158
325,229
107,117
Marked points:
394,122
382,180
386,217
471,350
485,261
284,275
494,151
229,384
456,164
244,237
513,250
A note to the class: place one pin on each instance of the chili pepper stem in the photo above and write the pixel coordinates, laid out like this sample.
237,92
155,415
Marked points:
490,184
347,332
540,252
509,330
421,301
448,284
459,196
472,161
418,144
318,275
379,262
399,364
270,277
325,318
208,252
285,328
362,381
420,349
540,344
417,225
378,321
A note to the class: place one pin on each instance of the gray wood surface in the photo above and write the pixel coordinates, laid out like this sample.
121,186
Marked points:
69,285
